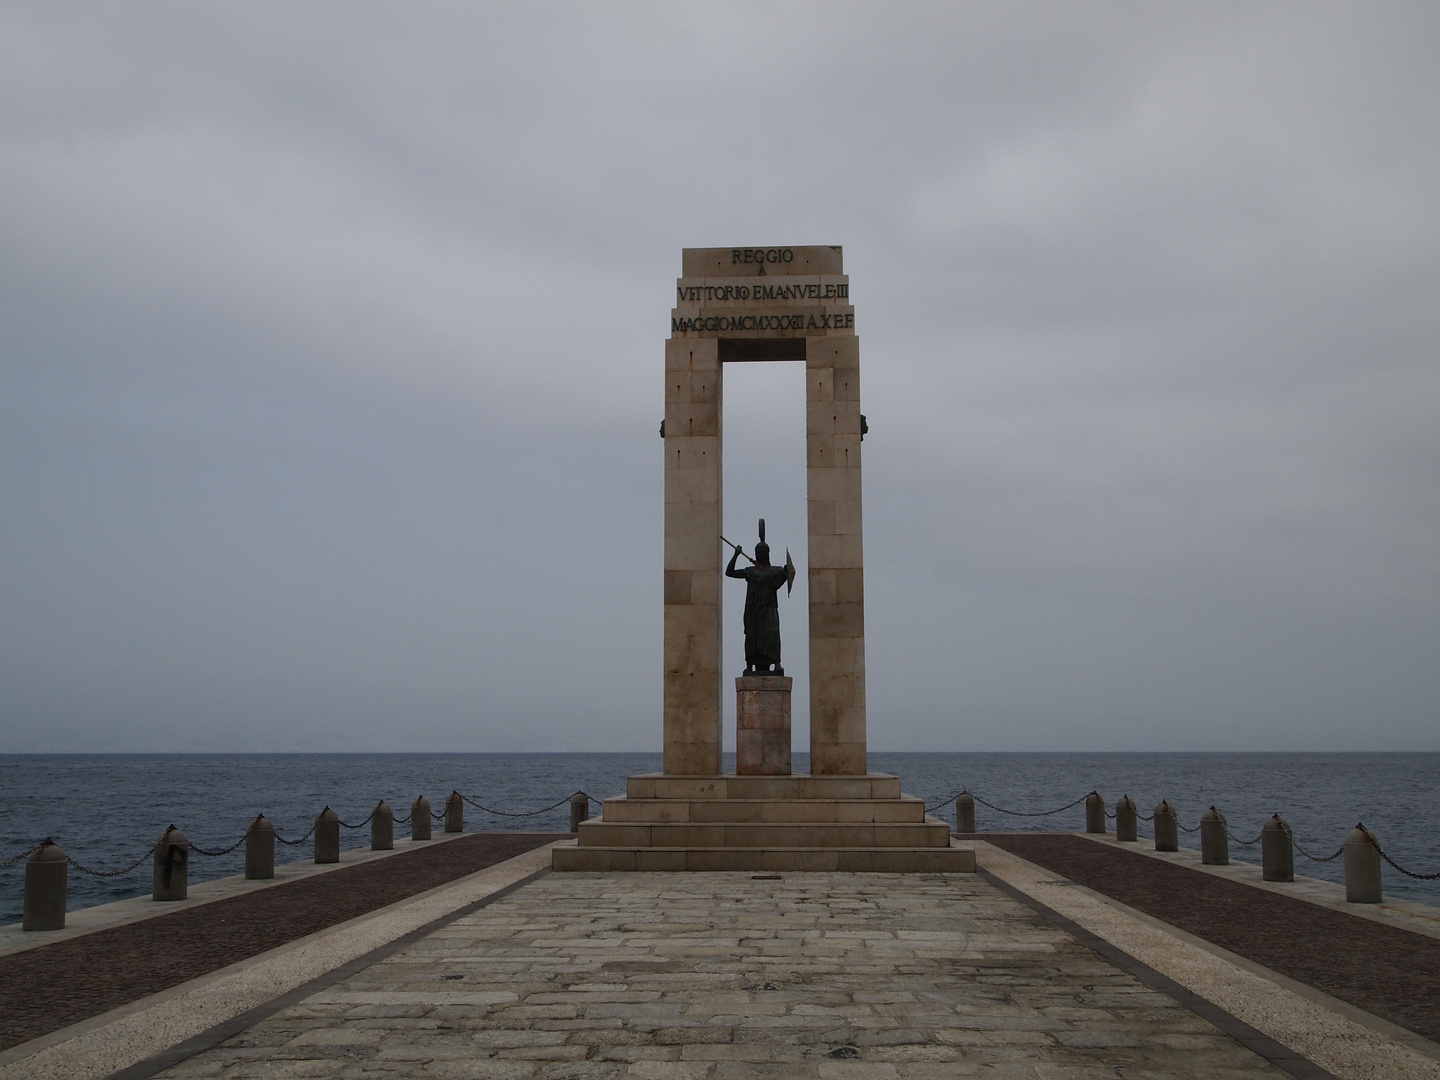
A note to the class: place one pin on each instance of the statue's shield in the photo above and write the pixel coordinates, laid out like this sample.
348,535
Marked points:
789,572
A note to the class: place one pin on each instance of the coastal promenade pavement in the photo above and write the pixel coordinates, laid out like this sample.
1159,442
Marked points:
514,972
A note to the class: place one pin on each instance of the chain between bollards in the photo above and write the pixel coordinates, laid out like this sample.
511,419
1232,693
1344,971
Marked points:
1397,866
293,843
528,813
113,873
1024,813
25,854
224,851
1314,858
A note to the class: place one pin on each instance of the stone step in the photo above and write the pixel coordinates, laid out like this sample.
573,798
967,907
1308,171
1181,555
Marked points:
802,786
930,833
622,809
953,859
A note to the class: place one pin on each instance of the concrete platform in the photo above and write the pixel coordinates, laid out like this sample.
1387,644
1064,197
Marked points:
1007,973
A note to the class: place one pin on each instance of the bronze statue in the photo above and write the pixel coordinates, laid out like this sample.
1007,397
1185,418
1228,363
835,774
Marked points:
762,605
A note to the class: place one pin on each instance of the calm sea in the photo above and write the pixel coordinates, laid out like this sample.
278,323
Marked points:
106,809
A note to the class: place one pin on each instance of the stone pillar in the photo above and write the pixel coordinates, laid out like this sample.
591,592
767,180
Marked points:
1277,853
172,866
693,563
579,810
1362,867
965,814
1167,827
762,725
454,813
260,849
836,556
382,828
327,836
420,819
1095,813
1214,838
46,877
1127,827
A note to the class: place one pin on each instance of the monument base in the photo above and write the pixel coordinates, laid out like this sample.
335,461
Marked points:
762,725
772,823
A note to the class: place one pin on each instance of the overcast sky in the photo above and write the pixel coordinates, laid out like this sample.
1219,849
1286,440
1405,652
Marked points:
331,353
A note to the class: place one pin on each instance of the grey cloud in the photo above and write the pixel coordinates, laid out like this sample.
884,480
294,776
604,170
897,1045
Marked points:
330,345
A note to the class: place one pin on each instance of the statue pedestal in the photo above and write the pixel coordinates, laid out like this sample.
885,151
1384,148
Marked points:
762,723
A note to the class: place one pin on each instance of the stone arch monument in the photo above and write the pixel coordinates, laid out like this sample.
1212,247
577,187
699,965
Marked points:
749,305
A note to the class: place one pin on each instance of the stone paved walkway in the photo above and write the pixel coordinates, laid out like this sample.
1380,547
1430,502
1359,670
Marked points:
726,975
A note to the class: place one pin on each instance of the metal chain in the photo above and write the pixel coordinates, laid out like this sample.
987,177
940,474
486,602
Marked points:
531,813
941,805
201,851
302,839
1022,813
1187,828
1313,858
1145,817
360,825
1392,862
1243,843
1397,866
113,873
23,855
402,820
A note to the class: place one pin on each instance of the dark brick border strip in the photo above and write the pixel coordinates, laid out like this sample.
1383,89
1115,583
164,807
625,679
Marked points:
1254,1040
1383,970
65,982
208,1040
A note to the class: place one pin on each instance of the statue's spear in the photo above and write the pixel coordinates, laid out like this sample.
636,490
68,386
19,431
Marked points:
738,548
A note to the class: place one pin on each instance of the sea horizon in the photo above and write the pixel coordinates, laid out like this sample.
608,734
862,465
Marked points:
106,807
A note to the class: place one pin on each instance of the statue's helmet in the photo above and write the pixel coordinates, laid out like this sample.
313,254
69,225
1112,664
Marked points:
762,554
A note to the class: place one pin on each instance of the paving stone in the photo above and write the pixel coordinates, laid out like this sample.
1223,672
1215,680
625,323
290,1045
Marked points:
652,975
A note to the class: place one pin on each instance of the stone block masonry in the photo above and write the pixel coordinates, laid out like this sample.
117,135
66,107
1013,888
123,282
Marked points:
751,304
762,725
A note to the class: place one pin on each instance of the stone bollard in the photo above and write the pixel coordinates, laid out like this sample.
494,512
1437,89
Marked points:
1167,828
382,828
965,814
1214,838
1362,867
327,836
579,810
420,819
1277,853
172,866
454,813
46,874
1094,813
1127,827
260,849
